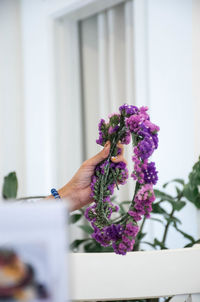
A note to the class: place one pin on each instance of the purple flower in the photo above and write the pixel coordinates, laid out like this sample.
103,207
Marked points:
133,123
99,141
112,130
135,215
101,123
128,109
101,237
101,126
152,127
122,248
103,166
126,139
145,148
143,200
131,230
111,188
150,174
155,140
114,232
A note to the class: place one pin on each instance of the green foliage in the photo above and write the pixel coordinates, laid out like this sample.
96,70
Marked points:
10,186
86,228
178,180
74,218
192,189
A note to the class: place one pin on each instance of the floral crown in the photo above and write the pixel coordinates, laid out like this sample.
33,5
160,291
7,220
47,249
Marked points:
121,232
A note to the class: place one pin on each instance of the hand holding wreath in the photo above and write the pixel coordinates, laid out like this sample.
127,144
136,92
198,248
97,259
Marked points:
78,189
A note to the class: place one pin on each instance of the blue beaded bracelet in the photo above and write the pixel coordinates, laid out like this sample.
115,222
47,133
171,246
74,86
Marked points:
54,192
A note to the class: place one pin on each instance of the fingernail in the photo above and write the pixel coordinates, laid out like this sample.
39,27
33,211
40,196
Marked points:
106,145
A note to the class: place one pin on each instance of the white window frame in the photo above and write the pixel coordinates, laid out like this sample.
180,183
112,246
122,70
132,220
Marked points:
64,17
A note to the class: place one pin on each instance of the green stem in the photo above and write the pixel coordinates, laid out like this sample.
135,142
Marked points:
179,196
167,227
141,228
114,176
124,217
103,181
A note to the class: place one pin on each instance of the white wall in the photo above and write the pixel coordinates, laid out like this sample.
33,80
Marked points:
39,97
195,77
169,57
12,138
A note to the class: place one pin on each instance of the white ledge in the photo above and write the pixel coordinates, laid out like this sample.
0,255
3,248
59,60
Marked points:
107,276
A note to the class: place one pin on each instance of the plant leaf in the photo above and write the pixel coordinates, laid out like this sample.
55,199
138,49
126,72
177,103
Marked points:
95,247
173,219
157,209
178,180
191,192
10,186
189,237
162,195
75,244
157,219
141,235
74,218
178,205
192,243
149,243
160,244
87,229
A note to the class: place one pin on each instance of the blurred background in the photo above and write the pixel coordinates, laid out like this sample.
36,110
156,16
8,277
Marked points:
64,64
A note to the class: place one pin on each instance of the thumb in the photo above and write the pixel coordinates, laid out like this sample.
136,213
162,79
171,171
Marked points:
103,154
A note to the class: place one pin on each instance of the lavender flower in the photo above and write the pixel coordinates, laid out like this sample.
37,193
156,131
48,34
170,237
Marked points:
150,174
128,109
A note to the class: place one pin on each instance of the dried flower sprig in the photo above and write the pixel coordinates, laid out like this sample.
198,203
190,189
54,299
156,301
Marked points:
121,233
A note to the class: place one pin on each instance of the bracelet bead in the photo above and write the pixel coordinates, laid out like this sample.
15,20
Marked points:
55,193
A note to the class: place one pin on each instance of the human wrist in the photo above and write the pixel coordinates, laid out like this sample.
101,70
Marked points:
67,192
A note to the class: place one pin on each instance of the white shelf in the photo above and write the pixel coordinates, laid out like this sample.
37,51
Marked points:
107,276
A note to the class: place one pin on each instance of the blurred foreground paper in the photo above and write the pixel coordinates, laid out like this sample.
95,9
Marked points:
33,252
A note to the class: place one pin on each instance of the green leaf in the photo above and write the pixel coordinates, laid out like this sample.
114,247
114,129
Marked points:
150,244
173,219
178,180
189,237
156,219
95,247
74,218
121,206
162,195
141,235
160,244
191,192
157,209
75,244
178,191
125,202
10,186
86,228
191,189
178,205
192,243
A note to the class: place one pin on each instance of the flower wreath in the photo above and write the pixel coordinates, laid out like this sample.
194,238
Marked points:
121,233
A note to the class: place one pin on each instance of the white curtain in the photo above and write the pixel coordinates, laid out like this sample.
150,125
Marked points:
107,71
